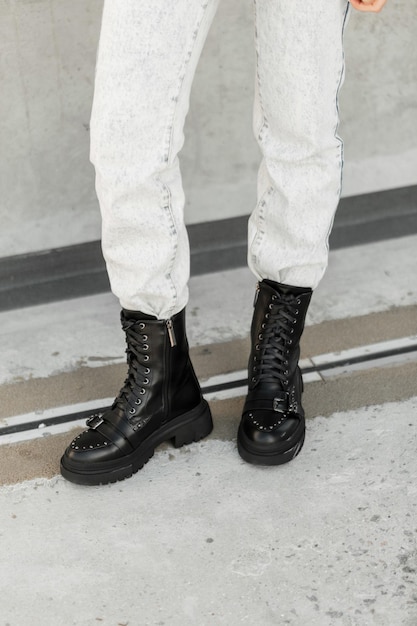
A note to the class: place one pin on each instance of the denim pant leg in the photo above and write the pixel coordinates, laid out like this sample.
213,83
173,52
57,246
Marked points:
300,67
147,56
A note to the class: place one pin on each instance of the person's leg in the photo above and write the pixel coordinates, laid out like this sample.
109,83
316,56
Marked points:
147,57
146,61
300,67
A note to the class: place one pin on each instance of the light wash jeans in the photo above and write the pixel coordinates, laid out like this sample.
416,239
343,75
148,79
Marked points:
147,57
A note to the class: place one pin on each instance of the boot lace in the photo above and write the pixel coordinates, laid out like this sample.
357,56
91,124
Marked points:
130,395
270,361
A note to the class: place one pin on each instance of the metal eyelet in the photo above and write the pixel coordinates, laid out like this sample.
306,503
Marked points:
253,379
289,342
274,297
271,306
138,401
142,391
267,316
286,373
257,347
298,301
260,336
263,326
146,358
147,370
296,311
141,326
145,337
145,346
146,381
292,331
132,411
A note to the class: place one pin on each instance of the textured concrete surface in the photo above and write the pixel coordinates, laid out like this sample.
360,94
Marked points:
47,71
200,537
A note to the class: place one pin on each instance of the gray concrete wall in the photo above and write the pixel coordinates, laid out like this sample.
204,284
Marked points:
47,60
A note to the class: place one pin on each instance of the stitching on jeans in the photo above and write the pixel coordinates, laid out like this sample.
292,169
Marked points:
258,212
167,207
259,215
169,142
264,122
183,74
341,144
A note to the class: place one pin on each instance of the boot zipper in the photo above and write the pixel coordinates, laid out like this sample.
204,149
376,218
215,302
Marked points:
171,333
255,300
168,365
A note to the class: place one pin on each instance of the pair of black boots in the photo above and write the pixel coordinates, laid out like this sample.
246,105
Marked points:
161,398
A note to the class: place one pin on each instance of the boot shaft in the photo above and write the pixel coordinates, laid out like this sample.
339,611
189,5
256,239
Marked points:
277,325
158,350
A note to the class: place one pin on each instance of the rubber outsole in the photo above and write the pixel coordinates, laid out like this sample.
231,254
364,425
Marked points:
184,429
272,458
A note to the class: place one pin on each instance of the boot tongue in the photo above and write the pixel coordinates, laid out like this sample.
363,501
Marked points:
137,315
286,290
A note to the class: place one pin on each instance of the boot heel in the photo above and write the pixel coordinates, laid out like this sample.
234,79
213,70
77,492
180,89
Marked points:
199,426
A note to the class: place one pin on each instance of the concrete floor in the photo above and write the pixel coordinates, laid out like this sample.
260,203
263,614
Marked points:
198,536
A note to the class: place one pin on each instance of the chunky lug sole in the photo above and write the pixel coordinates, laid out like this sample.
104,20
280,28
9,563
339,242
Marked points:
249,453
184,429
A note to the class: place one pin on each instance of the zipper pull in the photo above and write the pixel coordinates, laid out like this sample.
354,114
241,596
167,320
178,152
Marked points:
171,333
255,300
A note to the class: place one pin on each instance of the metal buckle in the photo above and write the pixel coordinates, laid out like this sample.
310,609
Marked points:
94,421
278,401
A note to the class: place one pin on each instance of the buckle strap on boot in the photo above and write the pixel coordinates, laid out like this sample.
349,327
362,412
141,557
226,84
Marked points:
280,403
117,431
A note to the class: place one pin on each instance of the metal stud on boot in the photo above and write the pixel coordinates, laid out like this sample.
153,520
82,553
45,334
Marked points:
272,428
160,401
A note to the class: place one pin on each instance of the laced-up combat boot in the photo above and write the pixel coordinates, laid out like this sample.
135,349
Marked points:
272,428
160,400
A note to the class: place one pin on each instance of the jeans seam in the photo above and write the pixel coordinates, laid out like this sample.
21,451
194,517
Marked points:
167,207
168,148
264,122
182,78
260,205
260,223
341,143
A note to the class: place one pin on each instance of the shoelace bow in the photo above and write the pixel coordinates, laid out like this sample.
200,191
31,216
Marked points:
136,350
271,356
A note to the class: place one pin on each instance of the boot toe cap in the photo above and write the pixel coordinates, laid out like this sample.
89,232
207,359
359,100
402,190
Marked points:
265,429
270,440
90,446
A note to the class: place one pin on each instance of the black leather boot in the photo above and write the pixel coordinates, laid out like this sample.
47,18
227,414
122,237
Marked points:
272,428
160,400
